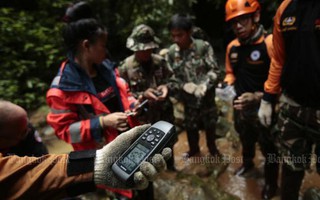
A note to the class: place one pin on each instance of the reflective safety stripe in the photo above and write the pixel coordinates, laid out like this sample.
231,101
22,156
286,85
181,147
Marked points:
56,81
75,132
55,111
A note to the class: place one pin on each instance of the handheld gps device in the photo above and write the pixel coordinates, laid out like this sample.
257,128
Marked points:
152,141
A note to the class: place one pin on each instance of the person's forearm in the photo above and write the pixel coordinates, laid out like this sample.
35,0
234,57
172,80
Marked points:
272,86
43,177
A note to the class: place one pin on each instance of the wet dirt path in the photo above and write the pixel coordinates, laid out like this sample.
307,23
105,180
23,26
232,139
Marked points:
246,188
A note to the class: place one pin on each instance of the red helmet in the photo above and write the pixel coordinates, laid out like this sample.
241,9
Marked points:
235,8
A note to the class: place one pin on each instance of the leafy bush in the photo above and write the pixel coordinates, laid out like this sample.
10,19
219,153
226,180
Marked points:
29,46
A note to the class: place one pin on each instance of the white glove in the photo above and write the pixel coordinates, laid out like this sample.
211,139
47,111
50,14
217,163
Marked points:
105,157
212,76
189,87
265,113
200,90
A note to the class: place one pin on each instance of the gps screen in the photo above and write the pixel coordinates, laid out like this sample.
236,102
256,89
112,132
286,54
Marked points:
133,159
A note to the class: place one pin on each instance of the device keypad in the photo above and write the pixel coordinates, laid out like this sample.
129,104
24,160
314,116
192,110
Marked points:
153,136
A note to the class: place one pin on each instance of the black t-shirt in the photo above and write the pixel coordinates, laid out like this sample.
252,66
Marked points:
250,67
106,93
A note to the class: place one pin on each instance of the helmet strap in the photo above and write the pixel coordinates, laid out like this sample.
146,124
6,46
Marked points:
256,35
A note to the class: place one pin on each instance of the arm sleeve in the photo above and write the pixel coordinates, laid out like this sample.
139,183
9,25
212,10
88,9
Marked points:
211,61
123,73
166,70
124,89
229,78
272,85
64,119
40,177
174,83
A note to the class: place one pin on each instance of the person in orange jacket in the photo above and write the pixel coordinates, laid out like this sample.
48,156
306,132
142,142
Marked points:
295,72
89,102
247,64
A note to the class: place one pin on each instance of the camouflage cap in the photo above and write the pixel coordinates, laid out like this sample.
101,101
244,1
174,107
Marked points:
142,38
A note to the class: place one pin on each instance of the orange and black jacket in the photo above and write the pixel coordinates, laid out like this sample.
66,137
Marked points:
247,66
295,67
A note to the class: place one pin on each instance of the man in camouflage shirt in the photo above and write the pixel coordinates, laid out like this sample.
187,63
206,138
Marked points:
147,74
193,83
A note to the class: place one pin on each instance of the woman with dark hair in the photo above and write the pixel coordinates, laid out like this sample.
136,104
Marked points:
80,10
88,100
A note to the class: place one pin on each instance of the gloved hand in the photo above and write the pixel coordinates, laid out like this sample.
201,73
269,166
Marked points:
189,87
200,90
212,76
265,113
105,157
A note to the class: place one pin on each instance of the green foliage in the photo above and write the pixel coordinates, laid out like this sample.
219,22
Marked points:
122,16
29,46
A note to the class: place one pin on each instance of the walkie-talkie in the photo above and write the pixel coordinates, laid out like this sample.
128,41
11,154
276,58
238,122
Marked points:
152,141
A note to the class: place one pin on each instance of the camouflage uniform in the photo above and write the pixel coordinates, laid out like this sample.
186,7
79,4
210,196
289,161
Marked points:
193,65
141,77
299,130
142,38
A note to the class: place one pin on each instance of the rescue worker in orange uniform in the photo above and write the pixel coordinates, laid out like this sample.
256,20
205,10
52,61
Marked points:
247,64
295,73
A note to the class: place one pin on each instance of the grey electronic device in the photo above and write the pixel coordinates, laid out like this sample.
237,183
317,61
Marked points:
152,141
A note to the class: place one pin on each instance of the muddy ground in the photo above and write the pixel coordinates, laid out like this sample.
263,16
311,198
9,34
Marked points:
245,188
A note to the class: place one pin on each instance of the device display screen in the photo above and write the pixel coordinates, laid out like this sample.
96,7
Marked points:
133,159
